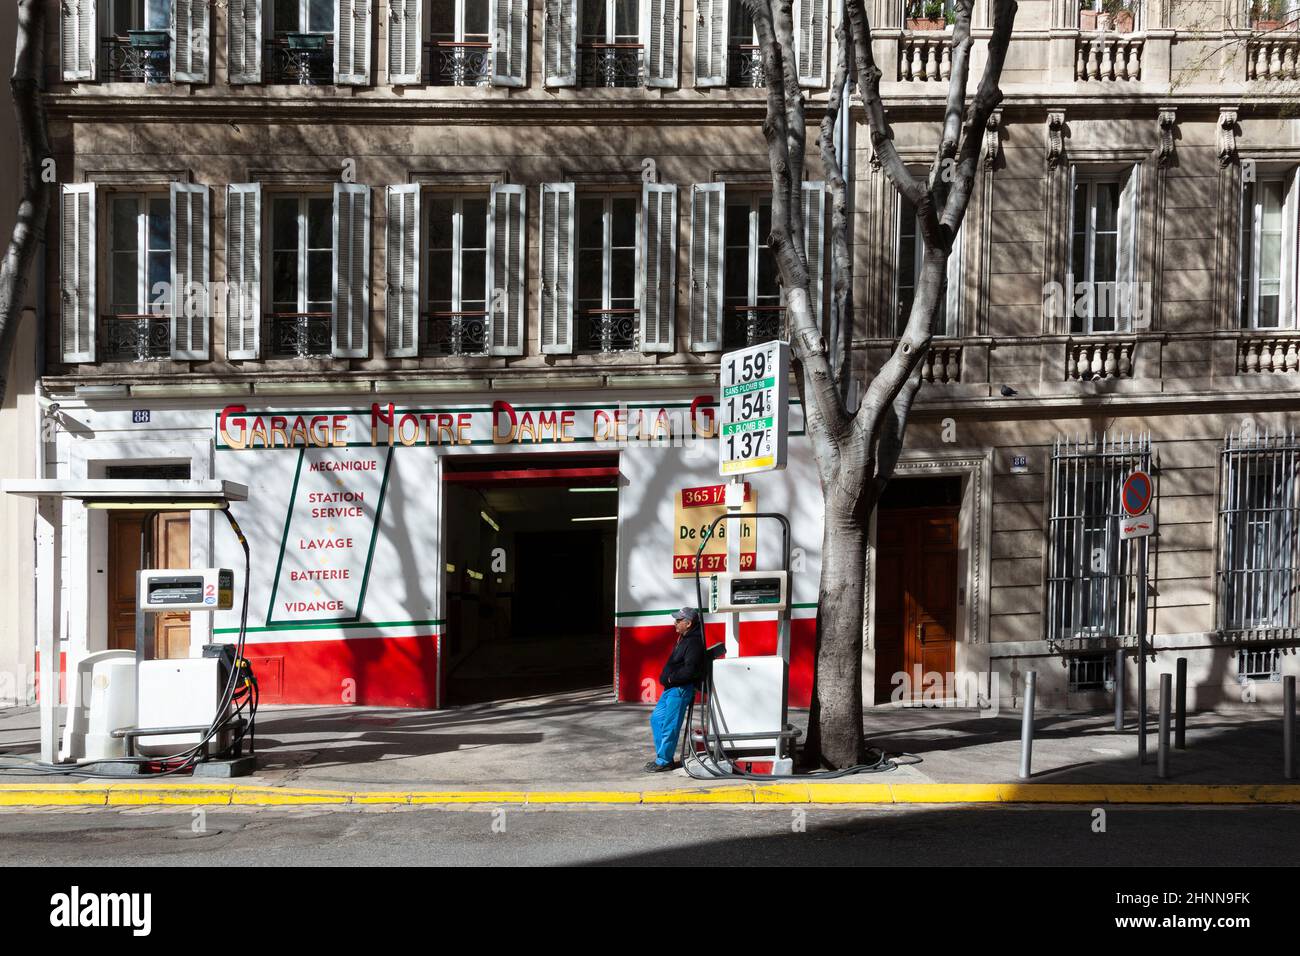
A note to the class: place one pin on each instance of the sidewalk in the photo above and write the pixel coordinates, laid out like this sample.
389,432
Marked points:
582,748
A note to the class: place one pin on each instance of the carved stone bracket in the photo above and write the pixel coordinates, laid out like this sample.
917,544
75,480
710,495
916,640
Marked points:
1165,125
1227,136
1055,139
992,138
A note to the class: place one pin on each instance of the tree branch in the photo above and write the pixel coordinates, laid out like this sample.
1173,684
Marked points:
841,319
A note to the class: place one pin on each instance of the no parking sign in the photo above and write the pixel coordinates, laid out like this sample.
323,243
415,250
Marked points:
1135,500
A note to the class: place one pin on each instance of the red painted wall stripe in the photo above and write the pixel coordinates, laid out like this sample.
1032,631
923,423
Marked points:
384,671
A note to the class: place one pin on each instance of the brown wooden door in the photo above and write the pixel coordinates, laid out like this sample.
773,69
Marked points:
168,547
915,597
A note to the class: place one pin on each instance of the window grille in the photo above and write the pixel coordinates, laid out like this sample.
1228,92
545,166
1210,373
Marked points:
1091,673
1259,663
1258,592
1091,585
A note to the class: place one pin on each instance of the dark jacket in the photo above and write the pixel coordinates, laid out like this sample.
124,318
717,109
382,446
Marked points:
688,662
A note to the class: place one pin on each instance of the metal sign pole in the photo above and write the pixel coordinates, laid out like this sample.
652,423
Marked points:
1142,650
735,501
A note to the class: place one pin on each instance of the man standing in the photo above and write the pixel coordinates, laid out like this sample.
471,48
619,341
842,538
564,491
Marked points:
682,672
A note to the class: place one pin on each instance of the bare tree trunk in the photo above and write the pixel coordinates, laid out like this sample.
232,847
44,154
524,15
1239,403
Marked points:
34,203
856,453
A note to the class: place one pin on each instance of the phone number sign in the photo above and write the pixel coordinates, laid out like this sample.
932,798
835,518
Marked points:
753,422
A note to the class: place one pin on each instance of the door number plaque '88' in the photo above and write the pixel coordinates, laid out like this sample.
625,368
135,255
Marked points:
753,412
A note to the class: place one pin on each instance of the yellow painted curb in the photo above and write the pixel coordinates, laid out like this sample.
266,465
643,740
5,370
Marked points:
783,793
28,796
850,793
700,795
584,796
469,796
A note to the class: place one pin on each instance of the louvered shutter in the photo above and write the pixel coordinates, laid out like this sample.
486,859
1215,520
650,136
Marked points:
711,25
659,265
191,292
952,305
402,299
509,32
560,42
78,272
78,39
556,267
708,231
507,221
810,41
243,270
1069,320
405,42
244,41
814,224
191,28
350,313
352,39
662,38
1126,271
1290,248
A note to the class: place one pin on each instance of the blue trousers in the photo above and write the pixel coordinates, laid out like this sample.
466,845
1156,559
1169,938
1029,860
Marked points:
666,721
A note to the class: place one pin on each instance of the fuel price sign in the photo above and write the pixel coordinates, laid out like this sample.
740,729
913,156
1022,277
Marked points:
753,422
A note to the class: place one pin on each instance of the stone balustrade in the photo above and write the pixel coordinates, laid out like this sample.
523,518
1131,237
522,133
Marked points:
1274,354
1105,56
1092,360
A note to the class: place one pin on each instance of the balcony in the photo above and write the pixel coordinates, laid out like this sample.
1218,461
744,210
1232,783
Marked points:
745,66
608,330
297,335
1097,360
925,56
1267,354
746,325
1105,56
454,333
941,365
457,64
300,59
134,338
610,64
142,56
1273,56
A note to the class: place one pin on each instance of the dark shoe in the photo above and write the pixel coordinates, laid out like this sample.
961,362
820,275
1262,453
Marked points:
654,766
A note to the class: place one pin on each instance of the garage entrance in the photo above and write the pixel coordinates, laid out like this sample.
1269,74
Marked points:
530,555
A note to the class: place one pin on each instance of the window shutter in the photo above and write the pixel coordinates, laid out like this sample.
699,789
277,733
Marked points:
956,277
1069,321
560,42
244,41
402,299
662,38
79,39
352,19
1126,271
243,271
556,261
509,32
405,42
711,25
810,41
350,318
1291,247
507,221
190,35
814,245
659,266
708,230
191,291
78,272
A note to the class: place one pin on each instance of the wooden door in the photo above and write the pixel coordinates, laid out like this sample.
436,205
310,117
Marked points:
168,546
915,598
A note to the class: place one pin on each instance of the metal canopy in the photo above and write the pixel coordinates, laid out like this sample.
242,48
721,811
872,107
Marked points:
144,493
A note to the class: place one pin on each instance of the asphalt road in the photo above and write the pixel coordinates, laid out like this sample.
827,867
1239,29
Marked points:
674,836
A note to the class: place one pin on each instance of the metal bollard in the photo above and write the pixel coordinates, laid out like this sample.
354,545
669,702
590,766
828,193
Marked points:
1162,757
1180,705
1118,674
1288,727
1027,725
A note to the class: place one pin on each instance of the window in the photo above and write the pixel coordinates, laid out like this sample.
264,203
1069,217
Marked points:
928,14
745,66
139,278
302,275
1262,663
607,313
1103,244
609,53
752,309
138,46
301,49
1120,16
304,16
1267,15
1091,673
1268,251
910,254
1258,584
1091,579
461,43
456,307
128,15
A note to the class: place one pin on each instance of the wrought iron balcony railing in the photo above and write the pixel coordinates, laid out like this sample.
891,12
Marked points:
297,335
745,325
610,64
745,65
142,56
457,64
303,59
454,333
134,338
608,330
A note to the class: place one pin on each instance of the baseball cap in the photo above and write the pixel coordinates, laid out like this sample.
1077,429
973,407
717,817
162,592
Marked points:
686,614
